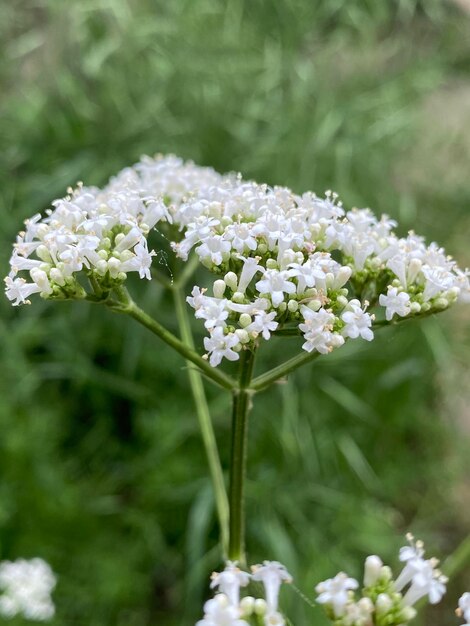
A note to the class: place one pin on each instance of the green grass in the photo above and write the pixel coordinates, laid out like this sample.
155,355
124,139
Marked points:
102,466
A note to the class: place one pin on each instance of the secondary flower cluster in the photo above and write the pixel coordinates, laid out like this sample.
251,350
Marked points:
282,261
384,601
26,589
228,609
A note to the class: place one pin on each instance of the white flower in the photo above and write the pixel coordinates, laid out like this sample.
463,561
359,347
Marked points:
18,290
214,311
263,324
317,331
140,262
218,612
275,284
464,606
271,574
229,582
335,592
27,587
357,322
220,345
395,303
426,582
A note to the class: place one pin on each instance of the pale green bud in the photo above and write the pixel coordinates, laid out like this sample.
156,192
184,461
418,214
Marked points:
282,307
386,573
119,237
113,266
238,297
121,276
231,280
441,304
425,307
43,253
415,307
247,605
342,301
271,264
315,305
103,254
260,607
245,320
383,603
262,249
105,243
57,276
372,568
101,267
407,613
219,288
293,306
242,335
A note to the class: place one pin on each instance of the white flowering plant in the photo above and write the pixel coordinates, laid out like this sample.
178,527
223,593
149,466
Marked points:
278,264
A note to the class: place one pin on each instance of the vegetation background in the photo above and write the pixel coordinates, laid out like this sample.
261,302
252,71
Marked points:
102,469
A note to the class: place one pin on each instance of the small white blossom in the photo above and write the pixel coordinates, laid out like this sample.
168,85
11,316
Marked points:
395,303
219,612
357,322
220,345
229,582
271,574
335,592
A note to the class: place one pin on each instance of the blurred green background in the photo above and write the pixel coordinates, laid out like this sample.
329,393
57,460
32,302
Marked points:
102,468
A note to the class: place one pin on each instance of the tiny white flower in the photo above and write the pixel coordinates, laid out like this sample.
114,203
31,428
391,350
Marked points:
276,284
357,322
229,582
335,592
271,574
263,324
395,303
219,612
220,345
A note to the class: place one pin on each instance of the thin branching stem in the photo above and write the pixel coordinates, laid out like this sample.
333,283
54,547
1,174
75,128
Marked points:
241,408
205,423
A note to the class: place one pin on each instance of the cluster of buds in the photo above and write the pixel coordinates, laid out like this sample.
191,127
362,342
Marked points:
26,589
384,601
227,608
282,261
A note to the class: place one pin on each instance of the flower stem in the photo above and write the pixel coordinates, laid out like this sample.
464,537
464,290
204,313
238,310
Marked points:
205,423
265,380
125,304
457,561
241,407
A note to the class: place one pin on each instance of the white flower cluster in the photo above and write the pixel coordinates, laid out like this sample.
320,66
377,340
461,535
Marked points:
26,589
283,261
101,233
464,608
383,600
228,609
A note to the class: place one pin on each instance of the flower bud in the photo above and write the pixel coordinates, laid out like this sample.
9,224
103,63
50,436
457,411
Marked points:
247,605
242,335
231,280
245,320
282,307
407,613
260,607
441,304
113,266
372,569
383,604
271,264
43,253
219,288
342,301
238,297
57,276
293,306
315,305
101,267
415,307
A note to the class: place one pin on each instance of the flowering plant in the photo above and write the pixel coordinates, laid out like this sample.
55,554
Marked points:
279,264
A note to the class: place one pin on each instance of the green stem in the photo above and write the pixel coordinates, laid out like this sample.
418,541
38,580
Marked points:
241,407
267,379
125,304
205,423
458,560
